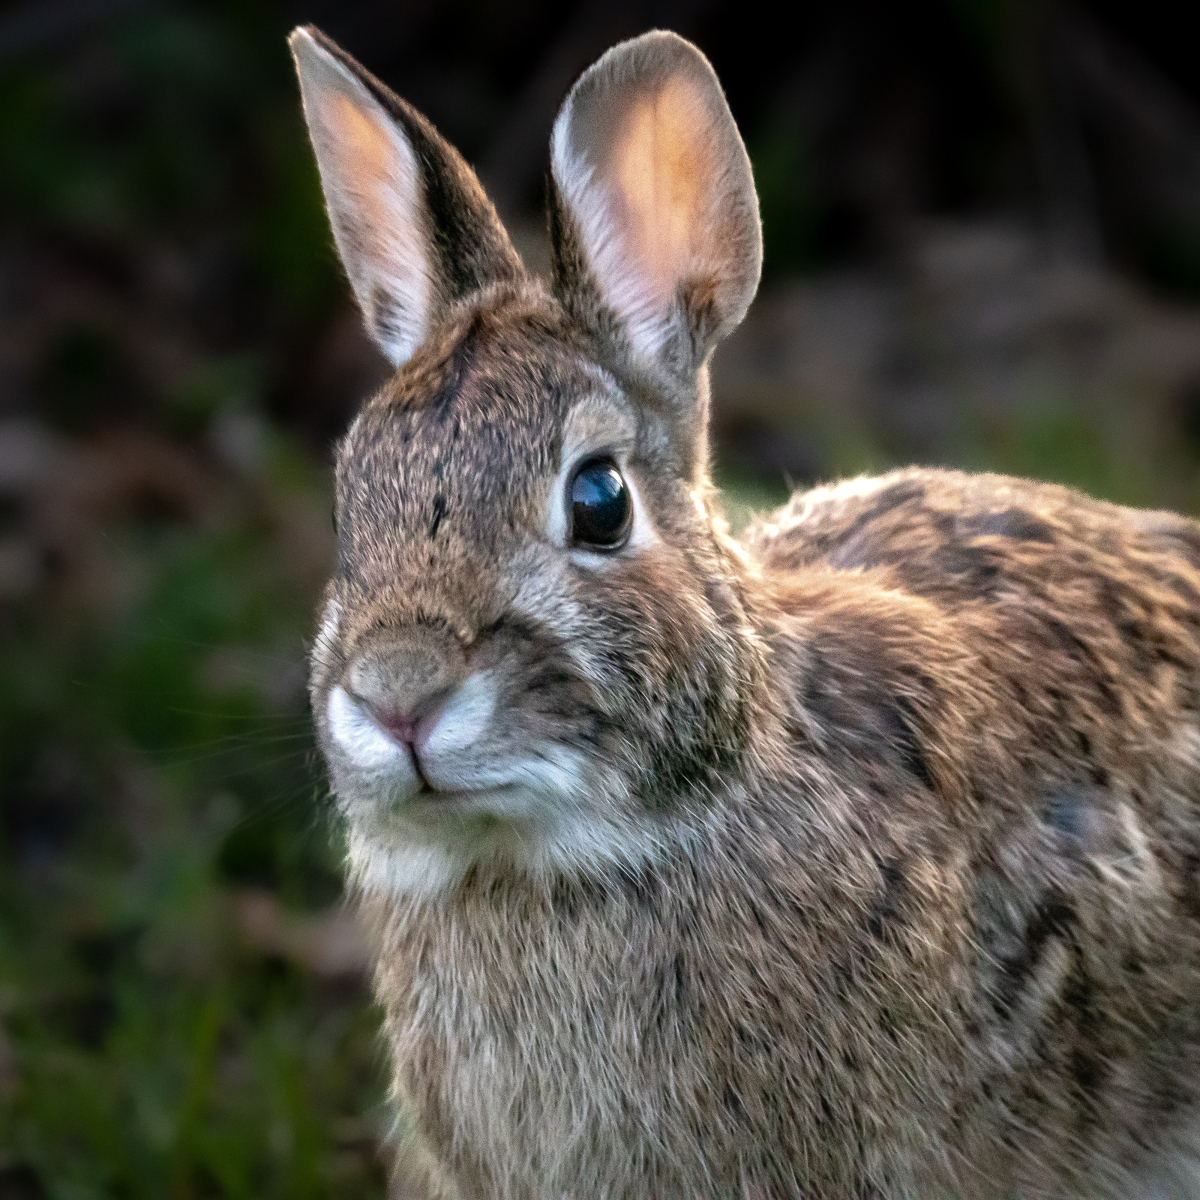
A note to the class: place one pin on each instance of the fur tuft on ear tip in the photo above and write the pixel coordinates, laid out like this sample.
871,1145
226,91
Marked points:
300,37
655,185
312,52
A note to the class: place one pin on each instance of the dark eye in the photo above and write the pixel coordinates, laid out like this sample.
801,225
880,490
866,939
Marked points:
601,510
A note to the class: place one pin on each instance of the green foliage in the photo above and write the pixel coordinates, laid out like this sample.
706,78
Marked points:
157,770
157,761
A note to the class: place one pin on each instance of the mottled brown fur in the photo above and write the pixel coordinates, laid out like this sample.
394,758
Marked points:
918,769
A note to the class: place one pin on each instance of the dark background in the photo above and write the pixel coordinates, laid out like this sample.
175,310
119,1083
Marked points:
982,224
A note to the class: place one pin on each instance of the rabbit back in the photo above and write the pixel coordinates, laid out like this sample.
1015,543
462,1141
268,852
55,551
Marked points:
1070,756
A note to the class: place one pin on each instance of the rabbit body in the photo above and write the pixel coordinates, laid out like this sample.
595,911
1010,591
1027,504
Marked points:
860,859
943,940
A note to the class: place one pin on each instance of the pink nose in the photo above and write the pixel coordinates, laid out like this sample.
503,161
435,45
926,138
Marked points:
408,728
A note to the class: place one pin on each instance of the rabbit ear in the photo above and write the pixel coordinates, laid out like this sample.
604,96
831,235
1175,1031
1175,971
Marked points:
655,214
412,224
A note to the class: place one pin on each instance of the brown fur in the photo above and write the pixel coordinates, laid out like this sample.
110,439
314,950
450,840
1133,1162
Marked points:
920,766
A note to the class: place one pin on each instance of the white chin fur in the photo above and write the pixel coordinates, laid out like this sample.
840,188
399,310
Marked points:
574,844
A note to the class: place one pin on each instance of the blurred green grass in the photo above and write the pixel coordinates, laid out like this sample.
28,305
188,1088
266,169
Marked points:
162,1033
157,763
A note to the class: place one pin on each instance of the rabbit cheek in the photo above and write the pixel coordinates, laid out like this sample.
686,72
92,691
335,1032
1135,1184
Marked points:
461,737
671,668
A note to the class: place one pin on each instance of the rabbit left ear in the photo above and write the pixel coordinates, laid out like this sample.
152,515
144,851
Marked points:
413,227
655,210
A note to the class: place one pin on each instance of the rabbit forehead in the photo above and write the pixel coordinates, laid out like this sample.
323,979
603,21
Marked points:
600,418
459,450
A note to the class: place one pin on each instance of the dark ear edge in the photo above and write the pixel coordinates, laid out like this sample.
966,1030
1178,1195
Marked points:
471,246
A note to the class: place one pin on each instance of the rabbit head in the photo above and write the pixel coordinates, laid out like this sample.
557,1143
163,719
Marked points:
534,650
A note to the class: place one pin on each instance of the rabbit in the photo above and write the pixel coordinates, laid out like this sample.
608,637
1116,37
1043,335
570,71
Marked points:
858,858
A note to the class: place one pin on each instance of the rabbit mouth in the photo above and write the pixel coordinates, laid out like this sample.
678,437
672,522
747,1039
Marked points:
429,844
420,817
424,787
484,772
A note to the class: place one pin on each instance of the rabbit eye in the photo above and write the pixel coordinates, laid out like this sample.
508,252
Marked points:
601,509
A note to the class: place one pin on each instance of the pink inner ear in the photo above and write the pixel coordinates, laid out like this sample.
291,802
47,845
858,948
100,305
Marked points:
369,176
364,146
649,164
662,168
375,175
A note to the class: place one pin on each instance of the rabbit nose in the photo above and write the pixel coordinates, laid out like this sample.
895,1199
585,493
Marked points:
409,728
402,679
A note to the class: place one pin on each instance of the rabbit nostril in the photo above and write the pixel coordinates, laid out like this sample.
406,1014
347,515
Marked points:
401,727
402,679
408,728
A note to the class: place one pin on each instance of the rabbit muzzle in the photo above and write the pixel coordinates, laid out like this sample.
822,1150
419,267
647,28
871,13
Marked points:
418,729
404,683
407,708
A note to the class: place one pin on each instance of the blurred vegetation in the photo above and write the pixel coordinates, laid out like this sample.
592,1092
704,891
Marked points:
184,1009
157,767
183,1001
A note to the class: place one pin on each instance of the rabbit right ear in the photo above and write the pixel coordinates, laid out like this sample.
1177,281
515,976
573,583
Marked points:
414,228
654,216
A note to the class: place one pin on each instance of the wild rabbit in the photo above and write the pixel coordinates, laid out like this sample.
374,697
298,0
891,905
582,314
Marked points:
858,860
